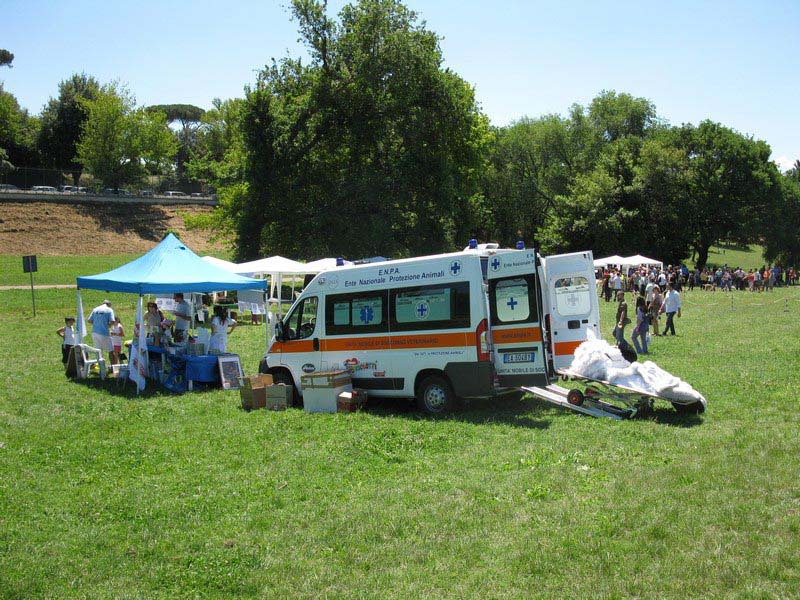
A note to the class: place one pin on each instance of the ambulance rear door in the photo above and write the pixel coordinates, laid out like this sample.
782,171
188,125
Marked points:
515,319
572,304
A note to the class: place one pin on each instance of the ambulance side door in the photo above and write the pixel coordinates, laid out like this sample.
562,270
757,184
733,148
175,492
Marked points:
515,321
572,302
299,348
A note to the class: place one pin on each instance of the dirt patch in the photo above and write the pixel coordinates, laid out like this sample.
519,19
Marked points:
58,229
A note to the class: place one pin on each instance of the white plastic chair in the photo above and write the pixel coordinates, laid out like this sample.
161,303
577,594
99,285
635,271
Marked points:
89,357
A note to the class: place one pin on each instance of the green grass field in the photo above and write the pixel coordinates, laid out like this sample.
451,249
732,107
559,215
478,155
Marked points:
106,494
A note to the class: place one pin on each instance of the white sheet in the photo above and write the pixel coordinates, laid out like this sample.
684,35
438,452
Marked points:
597,359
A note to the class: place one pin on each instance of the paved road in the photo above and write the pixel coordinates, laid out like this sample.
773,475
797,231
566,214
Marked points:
60,286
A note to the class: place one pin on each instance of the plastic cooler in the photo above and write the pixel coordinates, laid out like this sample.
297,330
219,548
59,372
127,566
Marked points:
321,390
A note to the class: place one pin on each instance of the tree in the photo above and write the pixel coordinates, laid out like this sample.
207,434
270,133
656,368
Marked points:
780,232
372,147
732,185
62,122
189,117
6,58
18,130
120,143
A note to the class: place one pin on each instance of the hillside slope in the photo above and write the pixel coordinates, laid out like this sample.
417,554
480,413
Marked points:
67,229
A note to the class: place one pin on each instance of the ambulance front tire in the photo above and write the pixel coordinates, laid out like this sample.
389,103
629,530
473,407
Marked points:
435,395
284,377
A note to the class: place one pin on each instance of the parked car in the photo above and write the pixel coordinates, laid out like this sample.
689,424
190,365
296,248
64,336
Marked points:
8,187
82,190
44,188
68,189
146,193
197,195
172,194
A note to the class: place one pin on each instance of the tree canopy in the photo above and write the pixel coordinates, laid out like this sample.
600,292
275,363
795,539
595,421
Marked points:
63,119
372,131
120,143
6,58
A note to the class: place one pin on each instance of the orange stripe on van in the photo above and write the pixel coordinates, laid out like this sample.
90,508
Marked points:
565,348
382,342
295,346
396,342
514,336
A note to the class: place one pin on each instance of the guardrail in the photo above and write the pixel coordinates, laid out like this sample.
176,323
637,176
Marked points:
96,198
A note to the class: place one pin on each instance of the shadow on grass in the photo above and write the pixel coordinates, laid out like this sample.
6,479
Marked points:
149,223
669,416
514,413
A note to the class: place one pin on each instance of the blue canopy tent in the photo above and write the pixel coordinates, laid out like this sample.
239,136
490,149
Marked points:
169,267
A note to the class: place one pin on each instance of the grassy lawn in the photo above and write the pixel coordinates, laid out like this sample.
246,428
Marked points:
749,257
106,494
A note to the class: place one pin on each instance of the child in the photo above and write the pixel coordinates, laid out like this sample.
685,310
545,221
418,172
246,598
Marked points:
117,335
67,332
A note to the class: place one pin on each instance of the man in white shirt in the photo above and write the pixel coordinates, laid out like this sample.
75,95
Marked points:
672,305
101,318
183,317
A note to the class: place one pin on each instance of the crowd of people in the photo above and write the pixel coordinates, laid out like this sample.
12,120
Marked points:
108,333
657,292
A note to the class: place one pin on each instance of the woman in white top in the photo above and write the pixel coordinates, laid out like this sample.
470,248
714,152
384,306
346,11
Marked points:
219,329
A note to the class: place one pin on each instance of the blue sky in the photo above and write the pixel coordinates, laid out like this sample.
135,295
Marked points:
734,62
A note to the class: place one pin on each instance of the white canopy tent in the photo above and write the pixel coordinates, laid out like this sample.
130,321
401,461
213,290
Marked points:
615,259
638,260
222,264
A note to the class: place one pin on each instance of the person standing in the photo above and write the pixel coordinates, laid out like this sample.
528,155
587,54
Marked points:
642,327
672,305
220,331
101,319
622,318
117,333
69,339
655,308
183,317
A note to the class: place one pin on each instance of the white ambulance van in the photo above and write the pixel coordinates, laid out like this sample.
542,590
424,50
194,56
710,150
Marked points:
436,328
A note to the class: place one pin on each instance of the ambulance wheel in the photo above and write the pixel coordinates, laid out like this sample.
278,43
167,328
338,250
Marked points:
434,395
284,377
575,397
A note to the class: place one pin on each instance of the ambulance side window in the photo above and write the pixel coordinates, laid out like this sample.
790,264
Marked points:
300,324
431,307
348,314
513,300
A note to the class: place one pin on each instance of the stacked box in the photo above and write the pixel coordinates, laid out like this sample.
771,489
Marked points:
253,391
196,349
351,401
321,390
279,396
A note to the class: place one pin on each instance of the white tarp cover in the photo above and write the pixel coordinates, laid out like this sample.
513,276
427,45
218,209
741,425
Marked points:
597,359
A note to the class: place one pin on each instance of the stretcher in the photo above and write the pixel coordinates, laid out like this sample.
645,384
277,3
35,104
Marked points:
601,398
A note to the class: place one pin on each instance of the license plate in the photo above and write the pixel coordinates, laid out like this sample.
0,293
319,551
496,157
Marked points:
519,357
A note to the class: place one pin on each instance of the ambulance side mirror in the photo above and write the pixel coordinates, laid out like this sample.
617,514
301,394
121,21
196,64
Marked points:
279,331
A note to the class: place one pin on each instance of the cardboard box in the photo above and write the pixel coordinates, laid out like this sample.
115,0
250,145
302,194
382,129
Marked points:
278,396
253,391
321,390
351,401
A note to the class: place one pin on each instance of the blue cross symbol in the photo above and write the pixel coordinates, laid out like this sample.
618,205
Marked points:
512,303
495,264
455,267
367,314
422,310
